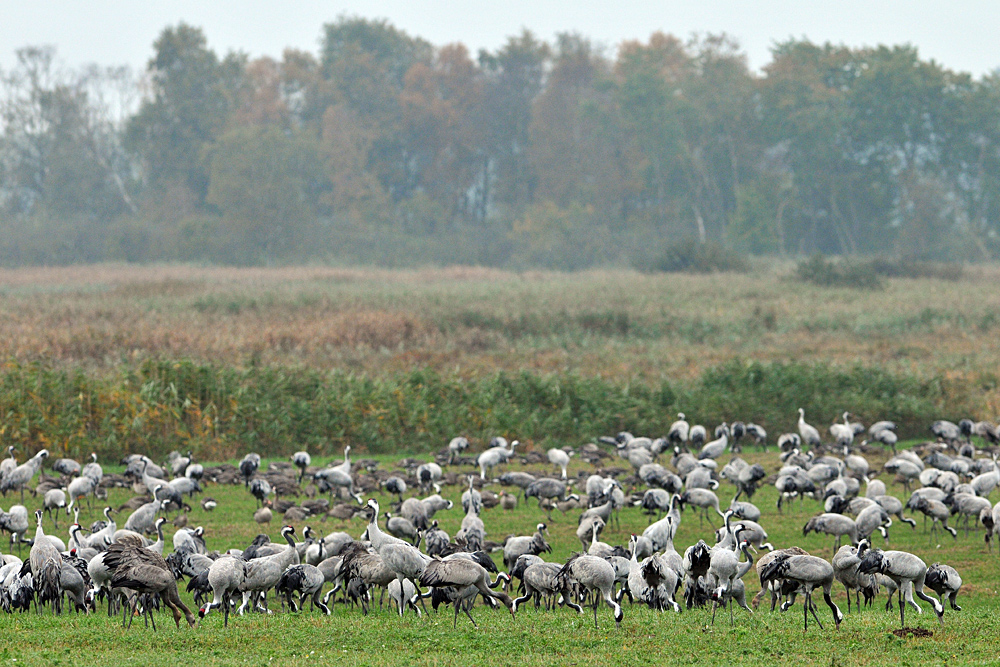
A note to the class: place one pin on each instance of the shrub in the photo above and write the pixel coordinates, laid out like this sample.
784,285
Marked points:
689,256
830,273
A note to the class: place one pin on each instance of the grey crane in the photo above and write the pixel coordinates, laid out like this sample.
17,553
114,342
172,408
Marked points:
306,580
415,511
652,581
540,580
8,463
946,431
757,434
248,466
725,569
697,435
560,459
679,430
21,476
396,485
493,457
843,434
428,476
368,566
144,519
515,547
845,570
260,489
598,577
700,477
302,460
67,467
946,582
936,510
837,525
456,446
991,522
146,572
401,527
82,487
657,477
546,488
403,558
436,540
968,506
587,528
472,497
45,565
226,577
744,510
96,540
54,499
894,505
463,573
906,569
697,559
262,573
770,586
808,433
872,518
520,479
809,572
703,498
335,478
715,448
93,469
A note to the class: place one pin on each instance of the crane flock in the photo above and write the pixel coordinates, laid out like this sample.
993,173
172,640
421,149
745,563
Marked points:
413,559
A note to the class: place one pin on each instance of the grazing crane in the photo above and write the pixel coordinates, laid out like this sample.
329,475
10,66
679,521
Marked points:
809,572
263,573
595,575
809,433
226,577
455,448
833,524
307,581
145,572
335,478
907,570
93,470
463,573
725,569
67,467
396,485
946,582
679,430
302,460
428,475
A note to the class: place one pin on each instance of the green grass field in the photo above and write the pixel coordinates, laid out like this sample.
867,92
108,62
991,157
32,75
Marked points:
537,637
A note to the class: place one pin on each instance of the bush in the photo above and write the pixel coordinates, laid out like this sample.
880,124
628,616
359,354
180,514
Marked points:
689,256
221,412
829,273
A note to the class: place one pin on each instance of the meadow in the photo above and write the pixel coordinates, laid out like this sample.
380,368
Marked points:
537,637
222,361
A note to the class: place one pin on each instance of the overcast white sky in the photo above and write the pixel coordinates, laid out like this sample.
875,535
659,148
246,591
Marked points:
961,34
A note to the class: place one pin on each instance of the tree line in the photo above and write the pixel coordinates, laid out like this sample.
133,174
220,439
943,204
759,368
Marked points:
384,148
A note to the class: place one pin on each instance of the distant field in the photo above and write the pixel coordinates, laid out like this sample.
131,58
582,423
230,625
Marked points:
537,638
614,324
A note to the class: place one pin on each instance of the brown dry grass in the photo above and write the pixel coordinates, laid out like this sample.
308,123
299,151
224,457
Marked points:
478,320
